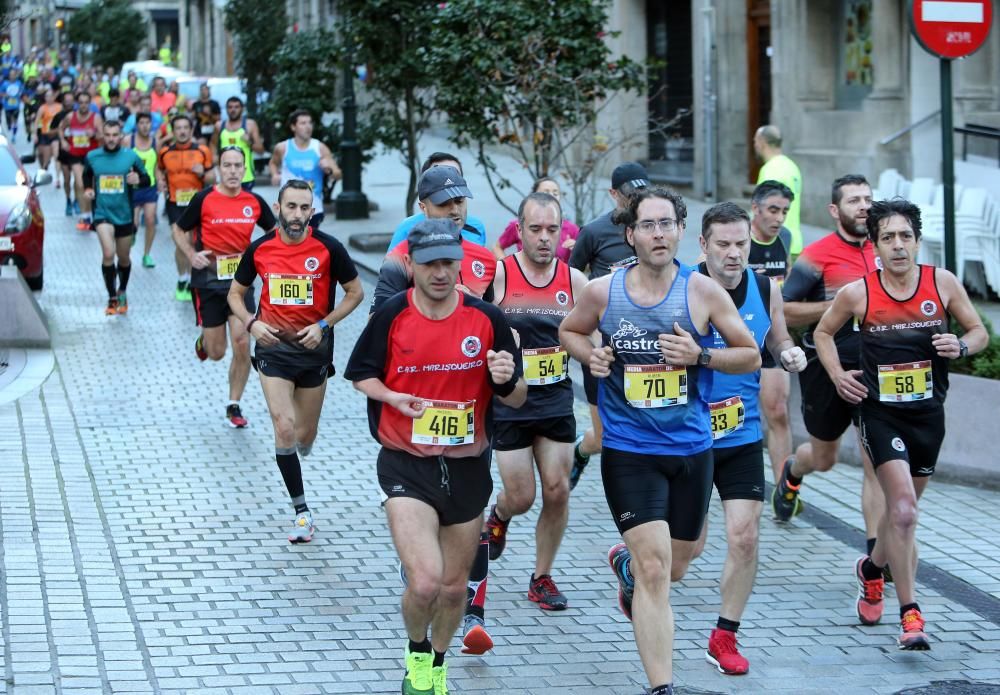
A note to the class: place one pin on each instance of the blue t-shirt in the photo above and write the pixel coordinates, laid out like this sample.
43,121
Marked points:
12,91
129,125
403,230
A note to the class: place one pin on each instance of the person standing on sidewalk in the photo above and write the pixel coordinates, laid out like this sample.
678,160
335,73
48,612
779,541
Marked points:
293,330
430,361
536,291
653,368
109,176
221,221
304,157
779,167
903,310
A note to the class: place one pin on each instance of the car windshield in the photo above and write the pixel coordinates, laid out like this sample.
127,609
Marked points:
8,169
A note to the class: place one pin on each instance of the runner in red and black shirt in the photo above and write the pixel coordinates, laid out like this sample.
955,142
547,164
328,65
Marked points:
823,268
300,269
221,221
430,361
906,345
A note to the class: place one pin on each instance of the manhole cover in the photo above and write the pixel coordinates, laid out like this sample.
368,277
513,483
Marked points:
952,688
21,370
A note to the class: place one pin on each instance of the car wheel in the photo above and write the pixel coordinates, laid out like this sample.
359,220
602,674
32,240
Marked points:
35,283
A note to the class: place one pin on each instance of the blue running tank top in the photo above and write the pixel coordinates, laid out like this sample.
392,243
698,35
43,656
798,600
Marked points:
734,399
646,406
304,165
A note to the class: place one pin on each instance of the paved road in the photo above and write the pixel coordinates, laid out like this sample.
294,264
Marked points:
143,544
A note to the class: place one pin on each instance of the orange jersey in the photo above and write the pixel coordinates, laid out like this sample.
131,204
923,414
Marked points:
46,112
176,162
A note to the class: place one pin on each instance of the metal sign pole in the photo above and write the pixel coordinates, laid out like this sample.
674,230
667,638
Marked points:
947,166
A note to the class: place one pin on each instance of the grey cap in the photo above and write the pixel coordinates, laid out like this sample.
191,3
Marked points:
442,183
434,240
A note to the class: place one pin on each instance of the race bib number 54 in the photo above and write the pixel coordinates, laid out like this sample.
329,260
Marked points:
544,365
655,385
445,423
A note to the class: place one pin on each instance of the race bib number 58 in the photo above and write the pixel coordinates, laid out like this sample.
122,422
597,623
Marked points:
904,383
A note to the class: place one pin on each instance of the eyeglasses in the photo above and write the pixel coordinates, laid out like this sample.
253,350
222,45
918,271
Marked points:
667,224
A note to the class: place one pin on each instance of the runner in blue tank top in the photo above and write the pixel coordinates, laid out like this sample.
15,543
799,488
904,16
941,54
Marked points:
654,366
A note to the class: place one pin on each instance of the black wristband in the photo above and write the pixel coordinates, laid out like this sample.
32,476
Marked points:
504,390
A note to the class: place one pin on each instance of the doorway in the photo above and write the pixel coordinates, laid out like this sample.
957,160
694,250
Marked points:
758,76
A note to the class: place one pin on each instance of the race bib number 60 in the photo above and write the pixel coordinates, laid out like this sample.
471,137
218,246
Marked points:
290,290
655,385
225,266
445,423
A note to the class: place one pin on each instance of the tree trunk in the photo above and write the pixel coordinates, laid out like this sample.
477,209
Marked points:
412,157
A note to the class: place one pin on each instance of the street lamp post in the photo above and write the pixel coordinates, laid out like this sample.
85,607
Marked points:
352,204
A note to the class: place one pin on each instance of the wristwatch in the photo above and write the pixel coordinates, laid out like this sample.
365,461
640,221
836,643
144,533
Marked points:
324,326
963,349
704,358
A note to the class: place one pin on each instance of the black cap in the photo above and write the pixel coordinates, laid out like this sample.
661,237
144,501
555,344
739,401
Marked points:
442,183
434,240
629,172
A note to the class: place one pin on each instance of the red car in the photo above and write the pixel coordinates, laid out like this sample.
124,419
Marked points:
22,225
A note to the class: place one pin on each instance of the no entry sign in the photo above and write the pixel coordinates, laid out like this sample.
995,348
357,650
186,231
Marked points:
951,28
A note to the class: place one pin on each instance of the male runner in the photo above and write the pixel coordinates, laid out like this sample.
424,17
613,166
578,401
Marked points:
183,169
78,136
115,171
601,247
12,92
239,131
429,361
145,106
46,133
536,291
823,268
770,255
222,220
144,199
304,157
63,160
207,113
656,459
293,328
903,310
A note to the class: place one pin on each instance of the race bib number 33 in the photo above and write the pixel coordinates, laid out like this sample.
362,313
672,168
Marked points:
544,365
903,383
655,385
445,423
727,416
290,290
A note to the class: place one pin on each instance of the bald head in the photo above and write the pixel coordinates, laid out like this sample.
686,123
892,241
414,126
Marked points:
767,142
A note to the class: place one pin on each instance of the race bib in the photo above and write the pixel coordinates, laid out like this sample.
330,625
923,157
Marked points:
727,416
545,365
903,383
655,385
184,196
225,266
81,140
289,290
208,129
107,183
445,423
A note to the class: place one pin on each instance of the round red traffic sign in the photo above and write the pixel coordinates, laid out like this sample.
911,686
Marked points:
951,28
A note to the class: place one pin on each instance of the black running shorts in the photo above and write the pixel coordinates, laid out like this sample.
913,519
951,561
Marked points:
122,231
826,415
305,373
641,488
739,471
174,211
458,489
914,436
511,435
211,306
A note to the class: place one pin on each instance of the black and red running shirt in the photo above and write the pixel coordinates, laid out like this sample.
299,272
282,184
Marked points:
823,268
899,364
300,280
437,360
535,313
223,225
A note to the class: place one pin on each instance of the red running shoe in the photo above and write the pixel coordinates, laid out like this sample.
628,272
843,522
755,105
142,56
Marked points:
723,654
913,638
870,603
498,533
546,594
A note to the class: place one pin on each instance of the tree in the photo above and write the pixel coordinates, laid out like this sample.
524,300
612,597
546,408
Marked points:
258,28
114,29
527,76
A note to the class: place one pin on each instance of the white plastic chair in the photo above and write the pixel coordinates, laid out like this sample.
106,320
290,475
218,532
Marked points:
922,191
888,184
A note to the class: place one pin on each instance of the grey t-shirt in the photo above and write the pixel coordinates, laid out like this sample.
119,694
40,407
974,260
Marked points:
601,245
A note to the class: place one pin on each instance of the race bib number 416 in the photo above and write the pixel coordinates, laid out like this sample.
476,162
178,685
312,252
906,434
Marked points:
290,290
655,385
445,423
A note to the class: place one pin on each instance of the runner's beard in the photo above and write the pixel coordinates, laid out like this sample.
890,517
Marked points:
851,226
293,232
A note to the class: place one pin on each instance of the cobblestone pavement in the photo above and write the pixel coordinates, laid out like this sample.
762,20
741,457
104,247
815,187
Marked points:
144,544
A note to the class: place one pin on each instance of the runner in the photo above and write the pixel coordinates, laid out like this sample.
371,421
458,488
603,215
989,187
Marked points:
78,136
239,131
536,291
904,311
735,421
116,172
293,328
63,172
222,220
430,360
207,113
601,248
770,255
823,268
12,90
304,157
656,458
183,169
47,134
144,200
567,237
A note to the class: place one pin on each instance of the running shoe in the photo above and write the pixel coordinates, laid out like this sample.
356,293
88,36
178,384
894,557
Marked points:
147,261
785,498
83,225
618,557
302,528
913,638
402,574
199,348
183,291
543,591
579,463
419,678
76,207
870,603
69,208
122,303
439,677
112,307
723,654
475,640
498,533
234,416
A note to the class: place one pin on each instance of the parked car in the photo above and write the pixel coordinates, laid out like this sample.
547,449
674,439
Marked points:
222,88
22,224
